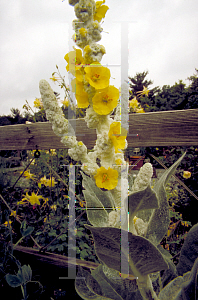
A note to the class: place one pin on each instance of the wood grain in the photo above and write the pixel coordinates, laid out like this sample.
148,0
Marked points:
167,128
54,259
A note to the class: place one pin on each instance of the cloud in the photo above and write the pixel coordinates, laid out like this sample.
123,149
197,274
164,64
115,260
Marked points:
35,37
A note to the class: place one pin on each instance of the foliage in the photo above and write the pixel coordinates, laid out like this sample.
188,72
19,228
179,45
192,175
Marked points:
175,97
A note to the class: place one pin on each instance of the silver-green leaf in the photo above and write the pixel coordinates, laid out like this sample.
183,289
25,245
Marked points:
139,255
96,213
160,220
141,200
106,288
87,287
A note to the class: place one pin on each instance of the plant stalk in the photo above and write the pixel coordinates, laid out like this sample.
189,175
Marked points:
146,288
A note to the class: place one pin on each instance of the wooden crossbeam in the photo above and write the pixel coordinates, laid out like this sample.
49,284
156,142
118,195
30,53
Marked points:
164,128
54,259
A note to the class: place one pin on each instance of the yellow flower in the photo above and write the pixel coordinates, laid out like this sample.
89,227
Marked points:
6,223
117,134
82,203
45,201
144,92
134,103
43,180
53,206
52,151
118,161
74,60
13,213
33,199
135,219
187,174
140,110
53,78
97,75
65,102
83,31
106,100
27,174
81,95
50,182
100,11
107,179
38,103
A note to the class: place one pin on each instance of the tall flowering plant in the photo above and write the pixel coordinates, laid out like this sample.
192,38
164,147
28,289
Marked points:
128,224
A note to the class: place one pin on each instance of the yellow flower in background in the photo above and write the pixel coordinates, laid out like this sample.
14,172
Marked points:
100,11
53,207
133,103
144,92
106,100
97,76
65,102
33,199
51,151
45,202
81,96
43,180
6,223
50,182
140,110
27,174
74,60
53,78
117,135
187,174
107,179
38,103
13,213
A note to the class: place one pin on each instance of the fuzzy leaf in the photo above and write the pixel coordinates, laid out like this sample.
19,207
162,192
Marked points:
107,289
183,287
189,287
144,257
160,220
87,287
97,215
189,251
141,200
105,197
173,288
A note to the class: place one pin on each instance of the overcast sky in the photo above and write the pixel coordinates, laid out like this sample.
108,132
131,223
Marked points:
34,35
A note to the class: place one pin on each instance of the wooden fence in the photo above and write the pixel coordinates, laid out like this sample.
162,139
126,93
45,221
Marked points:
168,128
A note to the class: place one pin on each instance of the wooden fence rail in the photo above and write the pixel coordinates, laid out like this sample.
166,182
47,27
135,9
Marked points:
166,128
